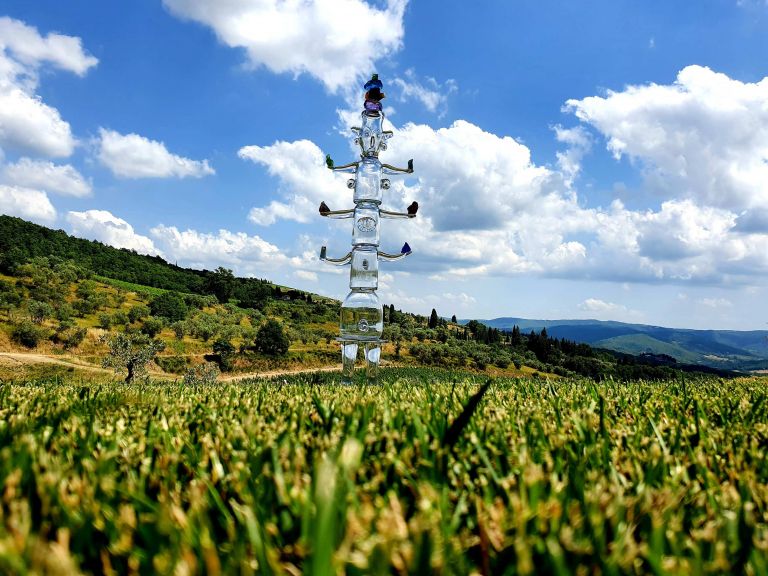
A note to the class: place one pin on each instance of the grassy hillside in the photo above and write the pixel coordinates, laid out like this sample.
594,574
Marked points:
644,344
728,349
81,295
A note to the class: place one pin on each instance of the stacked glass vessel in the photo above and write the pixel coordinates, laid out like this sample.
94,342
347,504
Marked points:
362,318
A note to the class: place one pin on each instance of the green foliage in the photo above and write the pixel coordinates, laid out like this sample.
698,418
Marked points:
138,312
204,326
39,311
179,329
69,335
22,241
131,353
172,364
27,334
105,321
151,326
169,305
433,319
10,296
424,474
221,283
271,339
225,353
120,318
201,375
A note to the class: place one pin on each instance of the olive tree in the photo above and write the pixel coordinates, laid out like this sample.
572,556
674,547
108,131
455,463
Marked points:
131,353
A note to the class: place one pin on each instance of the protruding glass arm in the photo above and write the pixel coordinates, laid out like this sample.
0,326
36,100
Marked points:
388,214
337,261
389,169
347,168
392,257
336,214
411,213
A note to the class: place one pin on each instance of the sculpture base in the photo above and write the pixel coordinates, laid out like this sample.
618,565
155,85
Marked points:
371,353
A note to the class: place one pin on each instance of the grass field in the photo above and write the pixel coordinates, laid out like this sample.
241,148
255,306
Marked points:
419,475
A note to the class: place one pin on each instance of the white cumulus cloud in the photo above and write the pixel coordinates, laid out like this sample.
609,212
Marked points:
41,174
26,203
306,275
247,255
486,209
704,137
29,47
134,156
336,41
305,181
597,305
26,122
105,227
429,92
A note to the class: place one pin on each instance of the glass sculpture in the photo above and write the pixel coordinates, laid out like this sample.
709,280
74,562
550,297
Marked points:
362,318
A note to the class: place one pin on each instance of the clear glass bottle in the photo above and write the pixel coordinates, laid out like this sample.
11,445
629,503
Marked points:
366,224
364,271
362,317
368,181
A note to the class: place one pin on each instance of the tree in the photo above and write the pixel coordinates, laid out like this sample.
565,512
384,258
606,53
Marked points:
252,293
39,311
221,283
169,305
131,353
433,319
138,312
453,319
225,351
179,328
271,339
152,326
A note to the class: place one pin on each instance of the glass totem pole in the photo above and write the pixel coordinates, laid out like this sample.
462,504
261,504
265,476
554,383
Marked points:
362,317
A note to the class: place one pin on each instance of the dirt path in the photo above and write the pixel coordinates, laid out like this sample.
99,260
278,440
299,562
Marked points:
30,358
26,358
272,373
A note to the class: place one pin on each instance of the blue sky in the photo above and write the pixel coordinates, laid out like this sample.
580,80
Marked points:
572,160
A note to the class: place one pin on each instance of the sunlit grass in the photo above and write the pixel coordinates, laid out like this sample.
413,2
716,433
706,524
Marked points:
303,475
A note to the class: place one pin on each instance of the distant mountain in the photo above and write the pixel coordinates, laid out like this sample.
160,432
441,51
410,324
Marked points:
727,349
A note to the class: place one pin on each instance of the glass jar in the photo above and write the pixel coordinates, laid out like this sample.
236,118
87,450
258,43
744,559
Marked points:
362,317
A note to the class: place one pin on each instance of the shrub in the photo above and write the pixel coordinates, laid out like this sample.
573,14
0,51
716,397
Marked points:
172,364
27,334
120,318
201,375
138,312
105,321
179,328
152,327
71,337
271,339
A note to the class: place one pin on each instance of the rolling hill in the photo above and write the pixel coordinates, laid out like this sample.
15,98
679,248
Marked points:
726,349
